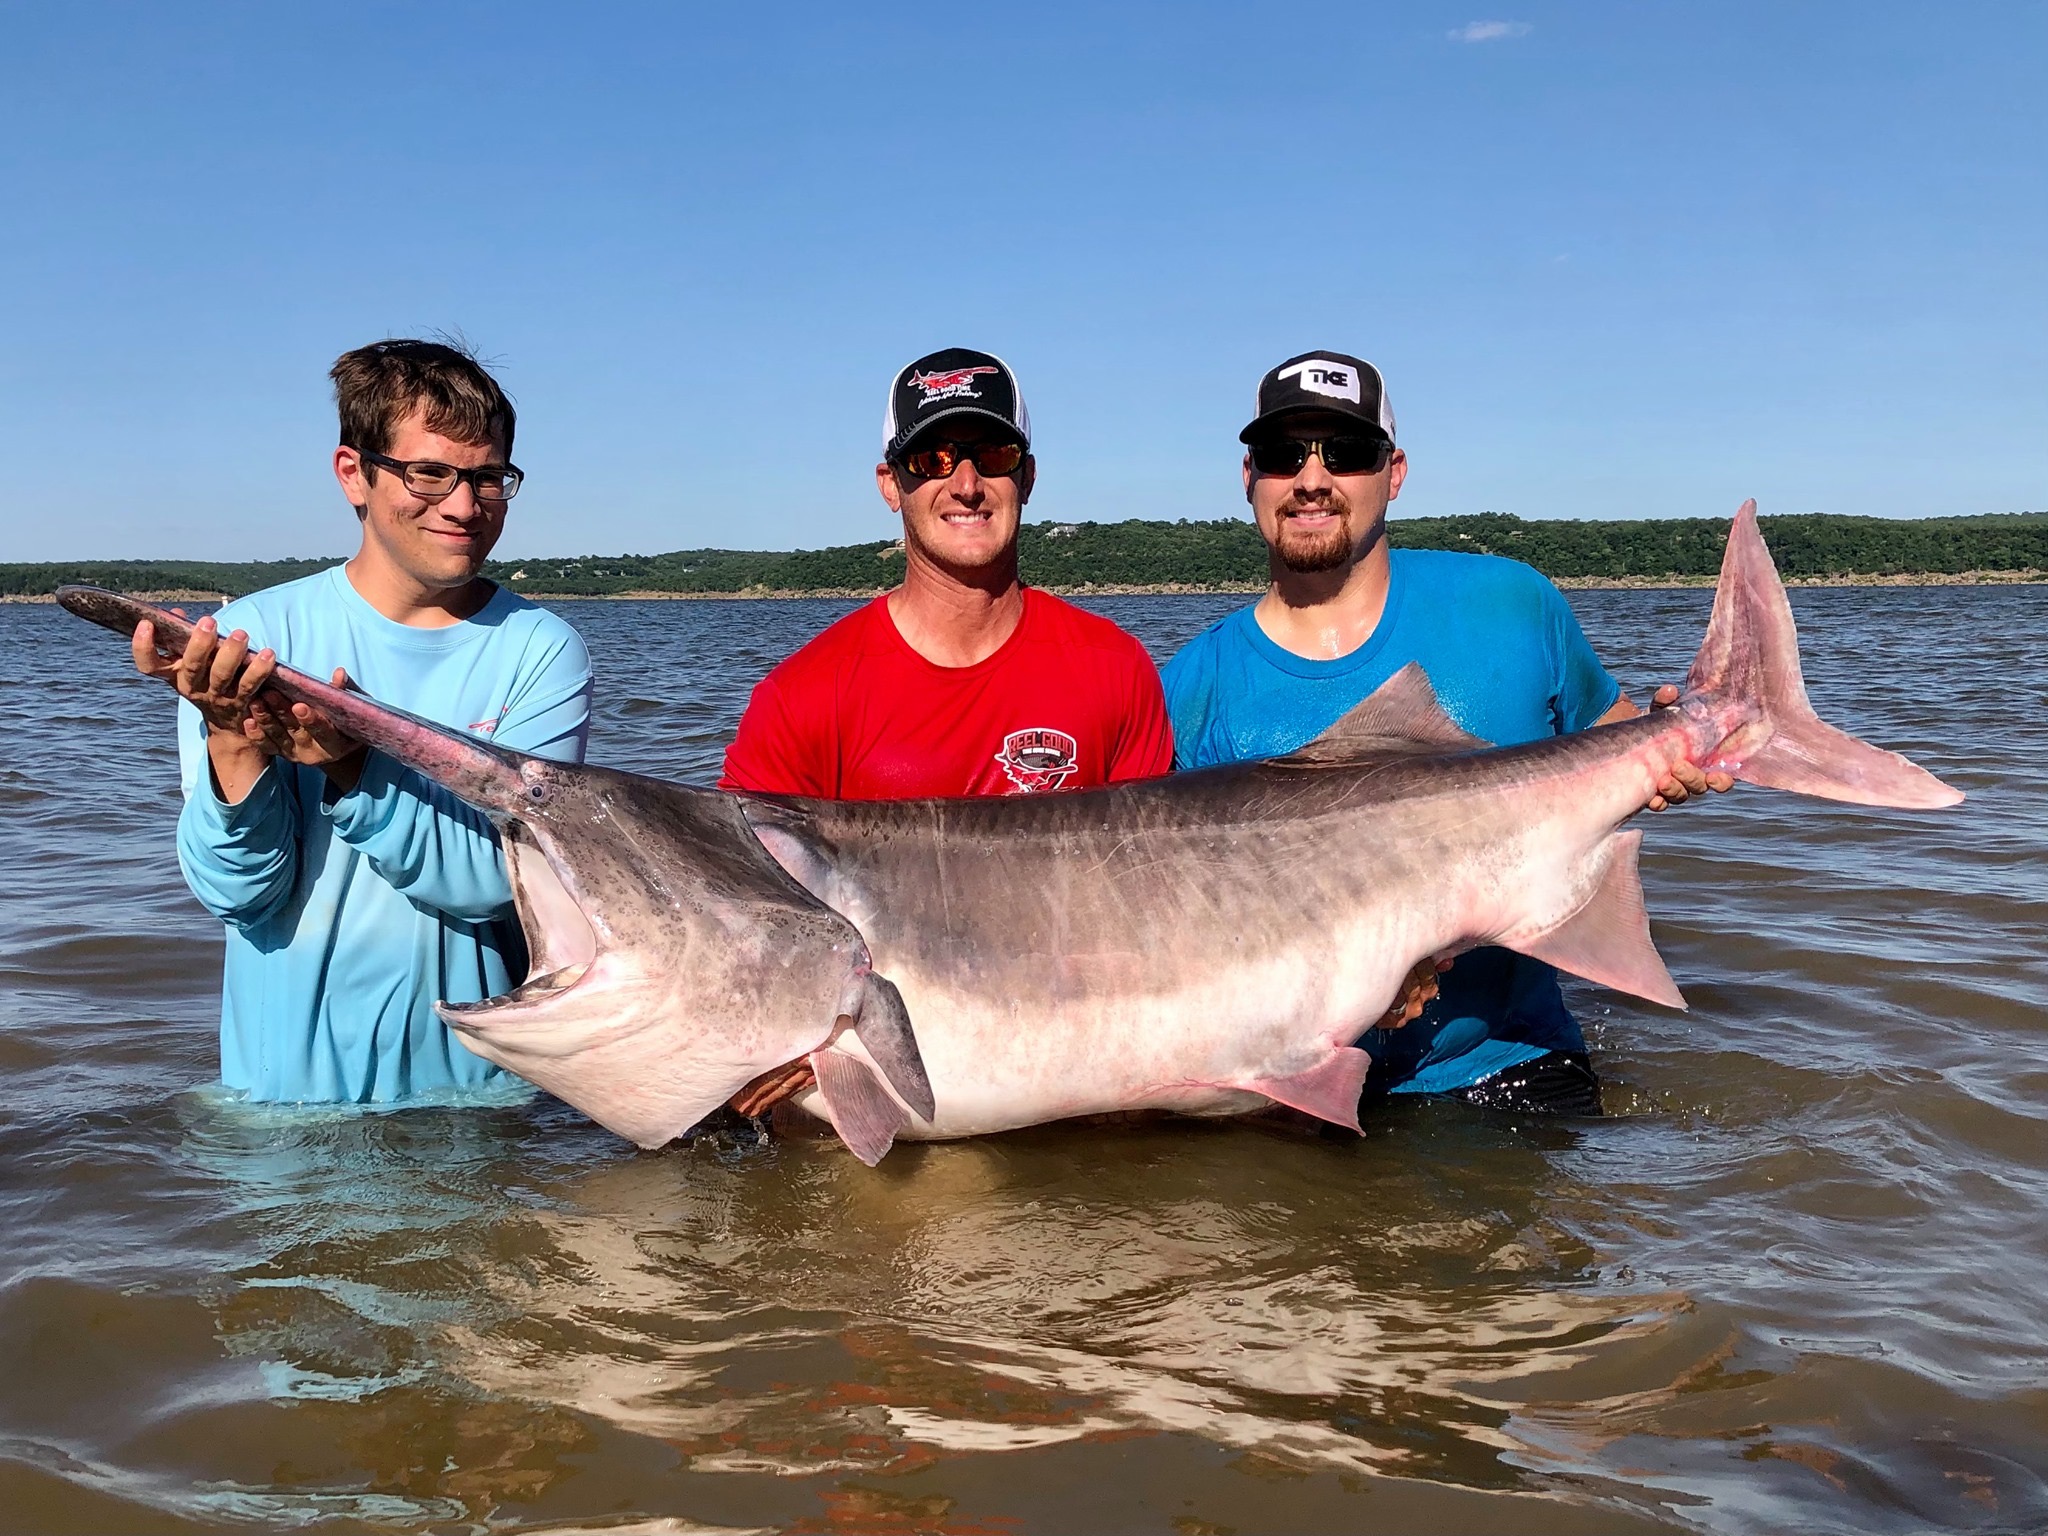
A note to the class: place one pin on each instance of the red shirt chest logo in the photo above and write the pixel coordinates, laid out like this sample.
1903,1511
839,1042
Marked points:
1038,759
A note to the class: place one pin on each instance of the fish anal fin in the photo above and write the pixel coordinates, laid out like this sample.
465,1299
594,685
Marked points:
860,1108
1329,1090
1608,939
1400,718
883,1027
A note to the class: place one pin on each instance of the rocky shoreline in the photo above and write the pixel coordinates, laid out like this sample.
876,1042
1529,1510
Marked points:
1189,589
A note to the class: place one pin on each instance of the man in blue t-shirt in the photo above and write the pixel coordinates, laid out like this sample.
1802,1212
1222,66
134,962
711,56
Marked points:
1343,613
355,892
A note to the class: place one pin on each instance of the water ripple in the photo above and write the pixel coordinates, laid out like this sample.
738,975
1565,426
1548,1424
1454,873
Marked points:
1791,1283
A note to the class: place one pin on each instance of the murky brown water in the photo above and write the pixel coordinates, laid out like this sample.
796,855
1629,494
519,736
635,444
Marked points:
1795,1283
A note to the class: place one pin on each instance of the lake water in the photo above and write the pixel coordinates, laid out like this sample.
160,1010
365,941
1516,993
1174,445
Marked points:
1794,1281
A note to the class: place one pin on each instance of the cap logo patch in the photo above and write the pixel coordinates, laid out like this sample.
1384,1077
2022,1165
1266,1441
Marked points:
1322,377
951,384
1038,760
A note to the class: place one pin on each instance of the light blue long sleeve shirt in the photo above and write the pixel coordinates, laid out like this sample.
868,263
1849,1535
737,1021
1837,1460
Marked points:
347,919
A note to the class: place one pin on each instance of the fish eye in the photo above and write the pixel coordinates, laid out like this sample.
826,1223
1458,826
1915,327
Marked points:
537,793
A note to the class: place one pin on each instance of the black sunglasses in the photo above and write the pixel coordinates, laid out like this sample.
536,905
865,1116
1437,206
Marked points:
1359,455
433,479
938,461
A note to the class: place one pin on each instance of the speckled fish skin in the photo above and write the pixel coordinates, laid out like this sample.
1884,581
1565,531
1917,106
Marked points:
1208,943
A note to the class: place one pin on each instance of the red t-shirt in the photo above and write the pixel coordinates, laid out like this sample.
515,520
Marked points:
1069,702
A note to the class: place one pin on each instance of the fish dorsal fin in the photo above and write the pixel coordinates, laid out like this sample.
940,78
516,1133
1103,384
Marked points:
1400,718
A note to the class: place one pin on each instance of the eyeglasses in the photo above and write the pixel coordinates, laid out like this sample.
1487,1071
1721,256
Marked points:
940,460
433,479
1359,455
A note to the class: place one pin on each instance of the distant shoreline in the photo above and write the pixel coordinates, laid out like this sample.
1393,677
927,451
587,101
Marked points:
2026,578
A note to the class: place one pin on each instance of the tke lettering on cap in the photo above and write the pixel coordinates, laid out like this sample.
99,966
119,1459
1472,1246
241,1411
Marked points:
1322,384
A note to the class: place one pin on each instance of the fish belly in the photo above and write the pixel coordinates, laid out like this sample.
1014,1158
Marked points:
1044,1054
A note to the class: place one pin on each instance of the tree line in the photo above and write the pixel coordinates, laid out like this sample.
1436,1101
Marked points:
1196,555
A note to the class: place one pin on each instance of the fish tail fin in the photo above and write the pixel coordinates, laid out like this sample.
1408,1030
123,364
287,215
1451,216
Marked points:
1752,653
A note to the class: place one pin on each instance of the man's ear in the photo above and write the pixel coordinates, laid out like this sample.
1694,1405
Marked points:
890,487
352,474
1247,477
1027,477
1397,471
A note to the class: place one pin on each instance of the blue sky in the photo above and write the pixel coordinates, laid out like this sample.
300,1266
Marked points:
1616,260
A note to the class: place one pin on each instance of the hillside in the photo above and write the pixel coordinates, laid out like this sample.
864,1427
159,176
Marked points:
1219,554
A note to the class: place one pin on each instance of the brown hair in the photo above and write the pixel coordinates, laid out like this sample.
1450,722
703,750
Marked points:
378,386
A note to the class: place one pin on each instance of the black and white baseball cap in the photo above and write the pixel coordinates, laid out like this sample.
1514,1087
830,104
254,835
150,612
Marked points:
1328,384
949,384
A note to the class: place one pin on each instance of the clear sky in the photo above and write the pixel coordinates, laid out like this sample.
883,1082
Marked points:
1631,259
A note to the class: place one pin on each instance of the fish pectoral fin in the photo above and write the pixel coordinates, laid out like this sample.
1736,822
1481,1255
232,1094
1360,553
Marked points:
1329,1090
883,1026
1608,939
860,1108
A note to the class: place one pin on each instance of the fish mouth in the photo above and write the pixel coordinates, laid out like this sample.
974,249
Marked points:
561,941
535,989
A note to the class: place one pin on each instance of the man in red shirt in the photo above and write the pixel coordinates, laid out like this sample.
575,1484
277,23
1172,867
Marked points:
962,681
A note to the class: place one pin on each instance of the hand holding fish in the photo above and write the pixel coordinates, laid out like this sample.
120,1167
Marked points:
247,722
1417,992
1686,781
216,676
301,734
772,1087
220,679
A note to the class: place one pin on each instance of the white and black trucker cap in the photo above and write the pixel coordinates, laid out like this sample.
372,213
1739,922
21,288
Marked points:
1327,383
946,385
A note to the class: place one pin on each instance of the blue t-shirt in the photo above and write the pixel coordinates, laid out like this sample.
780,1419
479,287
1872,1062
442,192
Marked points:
347,920
1510,664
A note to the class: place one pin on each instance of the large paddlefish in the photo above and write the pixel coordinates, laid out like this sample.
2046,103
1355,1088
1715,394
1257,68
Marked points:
1210,943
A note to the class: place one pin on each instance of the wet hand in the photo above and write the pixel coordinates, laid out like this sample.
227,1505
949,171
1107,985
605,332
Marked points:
302,734
1686,780
1417,992
772,1087
216,675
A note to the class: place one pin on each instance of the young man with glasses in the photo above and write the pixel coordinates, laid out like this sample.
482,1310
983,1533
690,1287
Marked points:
356,894
961,681
1342,614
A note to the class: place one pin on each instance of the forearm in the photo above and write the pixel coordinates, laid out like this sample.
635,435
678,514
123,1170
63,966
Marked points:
423,841
235,763
240,858
1623,708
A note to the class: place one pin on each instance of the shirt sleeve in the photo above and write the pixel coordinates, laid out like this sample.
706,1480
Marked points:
772,753
549,716
436,849
1144,742
240,860
1584,689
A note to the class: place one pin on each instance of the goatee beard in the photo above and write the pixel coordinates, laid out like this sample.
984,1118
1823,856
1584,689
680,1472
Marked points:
1310,553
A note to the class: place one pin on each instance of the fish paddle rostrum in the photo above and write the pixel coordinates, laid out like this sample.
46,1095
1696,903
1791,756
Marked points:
1209,943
